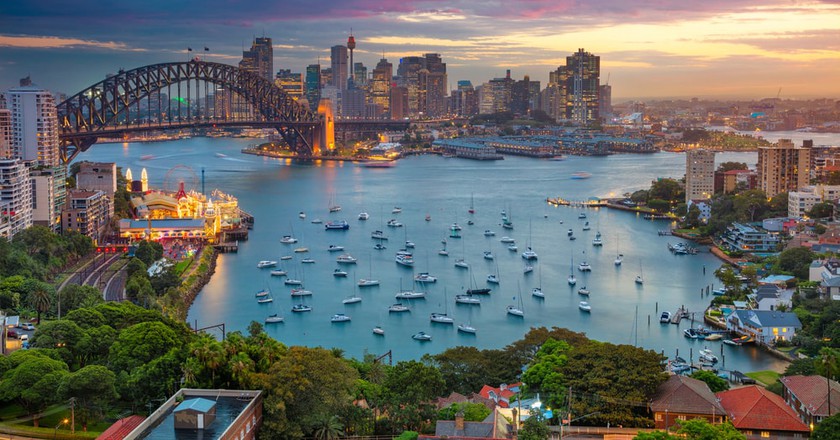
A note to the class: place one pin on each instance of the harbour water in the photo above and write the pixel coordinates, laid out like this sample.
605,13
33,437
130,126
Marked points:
275,191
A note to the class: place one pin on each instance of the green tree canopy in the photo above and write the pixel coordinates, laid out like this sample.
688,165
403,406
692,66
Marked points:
715,383
828,429
94,388
34,383
141,343
821,210
731,166
473,412
796,261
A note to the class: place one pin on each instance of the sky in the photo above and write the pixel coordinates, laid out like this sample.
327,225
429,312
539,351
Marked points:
719,49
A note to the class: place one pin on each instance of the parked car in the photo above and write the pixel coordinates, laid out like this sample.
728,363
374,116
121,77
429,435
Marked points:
24,337
28,326
11,334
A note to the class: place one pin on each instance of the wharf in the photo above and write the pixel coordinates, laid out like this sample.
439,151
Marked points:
291,156
557,201
681,313
227,247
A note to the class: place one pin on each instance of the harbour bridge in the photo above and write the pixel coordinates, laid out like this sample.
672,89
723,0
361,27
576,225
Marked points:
196,94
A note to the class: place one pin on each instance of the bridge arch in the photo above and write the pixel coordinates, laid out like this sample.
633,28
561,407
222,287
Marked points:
105,109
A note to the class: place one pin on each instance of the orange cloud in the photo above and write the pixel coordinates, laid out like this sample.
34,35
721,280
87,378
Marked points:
50,42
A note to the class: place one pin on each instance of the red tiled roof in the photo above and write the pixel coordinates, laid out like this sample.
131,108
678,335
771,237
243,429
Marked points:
753,407
504,395
680,394
121,428
812,391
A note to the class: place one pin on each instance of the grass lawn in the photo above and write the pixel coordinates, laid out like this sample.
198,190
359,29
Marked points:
766,377
182,266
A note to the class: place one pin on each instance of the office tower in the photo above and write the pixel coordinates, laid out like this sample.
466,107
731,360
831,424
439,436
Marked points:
699,175
605,101
584,70
360,75
425,80
464,99
353,103
783,167
399,102
495,96
524,96
259,59
15,196
35,141
553,98
333,94
290,82
380,85
5,133
326,77
407,72
338,63
313,85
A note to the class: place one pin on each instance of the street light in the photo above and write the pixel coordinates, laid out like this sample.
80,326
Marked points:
55,431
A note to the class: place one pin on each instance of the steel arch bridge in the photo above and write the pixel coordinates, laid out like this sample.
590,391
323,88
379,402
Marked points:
164,96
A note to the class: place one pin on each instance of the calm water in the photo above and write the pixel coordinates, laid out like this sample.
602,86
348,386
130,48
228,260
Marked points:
275,191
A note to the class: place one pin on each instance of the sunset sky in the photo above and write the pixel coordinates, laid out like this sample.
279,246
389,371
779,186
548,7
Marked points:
650,48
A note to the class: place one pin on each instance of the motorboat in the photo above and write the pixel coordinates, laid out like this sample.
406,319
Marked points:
488,255
301,250
515,311
339,317
461,263
714,337
278,273
288,239
707,355
266,299
507,224
379,246
338,273
584,267
379,331
273,319
529,254
421,336
266,263
398,308
731,342
410,294
489,233
512,248
301,292
455,227
719,291
367,283
692,334
424,277
378,235
302,214
572,237
583,291
364,216
316,221
586,226
308,260
409,244
493,279
467,299
345,259
470,222
441,318
443,252
466,328
428,218
507,240
352,299
570,233
665,317
335,208
584,306
528,269
404,258
597,240
537,291
582,215
396,210
393,223
286,257
335,248
337,224
261,293
292,282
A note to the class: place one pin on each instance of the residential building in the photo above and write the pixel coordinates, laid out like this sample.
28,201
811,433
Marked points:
783,167
6,147
100,176
769,297
494,426
765,326
87,212
338,64
827,272
496,95
290,82
682,398
747,238
704,206
728,181
583,81
399,102
15,196
502,394
259,59
759,414
800,202
699,174
313,85
380,85
810,397
43,198
605,109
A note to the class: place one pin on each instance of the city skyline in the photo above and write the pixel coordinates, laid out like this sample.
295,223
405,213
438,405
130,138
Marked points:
648,49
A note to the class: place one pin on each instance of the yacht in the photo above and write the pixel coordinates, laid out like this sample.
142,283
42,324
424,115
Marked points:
422,336
379,331
424,277
367,283
515,311
301,292
335,248
266,263
461,263
466,328
583,291
512,247
488,255
273,319
665,317
278,273
352,299
507,240
585,307
537,291
467,299
337,224
489,233
441,318
339,317
396,210
265,299
398,308
393,223
261,293
706,355
404,258
529,254
410,294
492,279
364,216
308,260
338,273
292,282
288,239
346,259
301,250
584,266
378,235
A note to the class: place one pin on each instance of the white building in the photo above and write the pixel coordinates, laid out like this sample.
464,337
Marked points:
800,202
5,133
704,206
699,175
15,196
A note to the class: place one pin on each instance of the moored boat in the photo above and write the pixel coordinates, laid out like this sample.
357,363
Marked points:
364,216
292,282
352,299
441,318
583,291
337,224
273,319
424,277
466,328
266,299
665,317
421,336
493,279
301,292
584,307
338,273
335,248
266,263
367,282
410,294
278,273
467,299
288,239
340,317
379,331
537,292
398,308
345,259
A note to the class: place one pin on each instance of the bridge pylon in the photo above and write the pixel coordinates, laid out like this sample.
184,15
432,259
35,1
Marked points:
325,137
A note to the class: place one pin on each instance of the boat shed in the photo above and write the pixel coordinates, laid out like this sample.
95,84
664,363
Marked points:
195,413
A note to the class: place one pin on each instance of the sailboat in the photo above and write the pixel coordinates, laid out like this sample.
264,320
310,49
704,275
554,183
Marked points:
572,280
493,278
334,207
461,263
442,318
619,256
537,291
639,278
467,326
529,254
369,281
274,318
472,204
408,243
514,310
506,223
474,290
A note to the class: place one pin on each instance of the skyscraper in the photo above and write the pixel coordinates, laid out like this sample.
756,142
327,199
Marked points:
699,174
360,79
783,167
290,82
380,85
5,133
425,79
260,59
464,100
605,101
338,63
313,85
584,70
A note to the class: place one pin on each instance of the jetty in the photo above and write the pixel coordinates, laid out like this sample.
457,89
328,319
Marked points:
681,313
558,201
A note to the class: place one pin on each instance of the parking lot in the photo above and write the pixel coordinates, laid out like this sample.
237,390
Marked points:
18,337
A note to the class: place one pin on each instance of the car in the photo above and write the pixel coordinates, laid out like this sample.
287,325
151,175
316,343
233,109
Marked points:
11,334
24,337
28,326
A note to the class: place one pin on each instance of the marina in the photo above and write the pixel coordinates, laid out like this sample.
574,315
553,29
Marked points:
517,185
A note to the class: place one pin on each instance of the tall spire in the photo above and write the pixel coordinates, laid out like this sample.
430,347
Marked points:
351,44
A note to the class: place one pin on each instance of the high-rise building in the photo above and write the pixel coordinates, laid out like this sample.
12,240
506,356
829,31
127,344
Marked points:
464,99
313,85
399,102
583,80
380,85
353,103
260,58
97,176
407,72
524,96
783,167
338,63
553,98
326,77
360,78
15,196
496,95
35,141
699,174
425,79
605,109
6,149
87,212
290,82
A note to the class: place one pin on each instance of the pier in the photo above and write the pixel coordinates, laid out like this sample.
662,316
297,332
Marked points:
228,247
557,201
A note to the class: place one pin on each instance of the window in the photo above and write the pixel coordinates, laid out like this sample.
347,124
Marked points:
765,434
659,417
682,418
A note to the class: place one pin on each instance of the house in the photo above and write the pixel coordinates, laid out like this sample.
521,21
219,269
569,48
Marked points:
809,397
501,395
749,239
760,414
455,397
764,325
683,398
493,427
827,272
704,206
769,297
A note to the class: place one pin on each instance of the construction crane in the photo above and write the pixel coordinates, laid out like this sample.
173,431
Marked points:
778,93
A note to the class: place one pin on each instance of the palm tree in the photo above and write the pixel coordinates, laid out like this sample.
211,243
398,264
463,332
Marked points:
40,299
328,428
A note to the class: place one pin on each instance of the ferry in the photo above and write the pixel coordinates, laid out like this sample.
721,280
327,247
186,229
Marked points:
339,224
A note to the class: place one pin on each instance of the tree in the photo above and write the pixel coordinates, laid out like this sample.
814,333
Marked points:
328,428
731,166
700,429
141,343
822,210
828,429
659,205
73,296
639,196
655,435
667,189
94,389
62,336
715,383
545,372
534,428
750,205
40,296
796,260
34,384
473,412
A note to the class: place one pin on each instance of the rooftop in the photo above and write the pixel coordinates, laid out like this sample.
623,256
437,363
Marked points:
812,391
753,407
685,395
768,318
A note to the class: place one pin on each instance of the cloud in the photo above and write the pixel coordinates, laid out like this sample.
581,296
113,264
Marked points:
51,42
